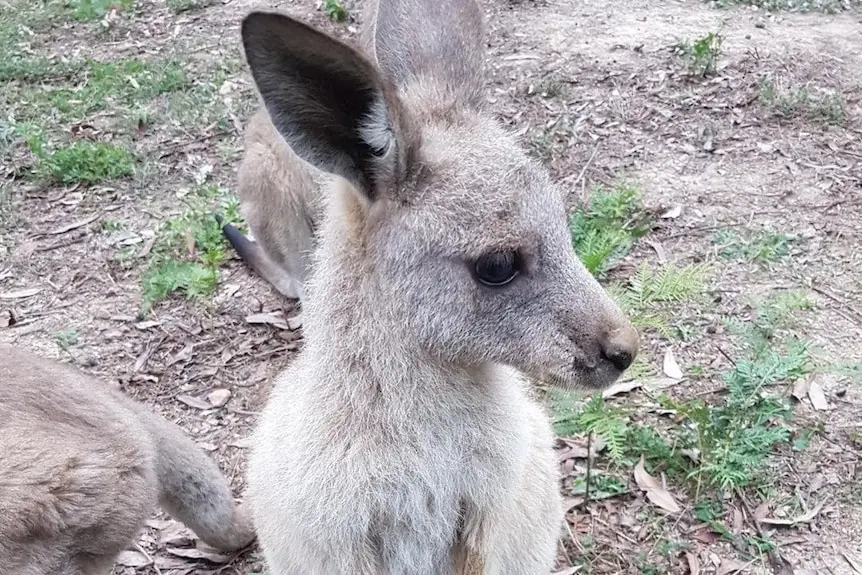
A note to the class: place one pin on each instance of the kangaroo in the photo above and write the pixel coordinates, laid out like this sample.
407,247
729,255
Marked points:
405,438
82,466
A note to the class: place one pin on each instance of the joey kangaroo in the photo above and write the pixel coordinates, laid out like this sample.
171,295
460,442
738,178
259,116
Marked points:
404,438
82,466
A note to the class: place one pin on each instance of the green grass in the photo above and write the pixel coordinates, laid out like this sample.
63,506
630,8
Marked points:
189,248
180,6
335,10
78,162
95,9
605,230
702,54
762,246
823,106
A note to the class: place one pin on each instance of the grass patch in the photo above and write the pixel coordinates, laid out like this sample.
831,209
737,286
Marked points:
822,106
702,54
335,10
180,6
95,9
605,230
79,162
762,246
189,248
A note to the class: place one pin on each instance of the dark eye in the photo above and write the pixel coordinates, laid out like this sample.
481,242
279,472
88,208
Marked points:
497,269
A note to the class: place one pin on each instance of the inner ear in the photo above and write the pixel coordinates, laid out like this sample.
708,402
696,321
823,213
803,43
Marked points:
328,101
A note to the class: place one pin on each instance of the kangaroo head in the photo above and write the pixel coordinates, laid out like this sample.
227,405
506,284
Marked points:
462,237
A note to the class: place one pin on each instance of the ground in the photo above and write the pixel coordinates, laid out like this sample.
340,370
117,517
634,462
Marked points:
731,133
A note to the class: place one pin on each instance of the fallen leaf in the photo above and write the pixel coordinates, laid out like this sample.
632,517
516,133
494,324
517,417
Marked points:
243,443
72,226
269,318
707,536
159,524
659,250
142,325
218,397
654,491
670,366
194,402
183,355
693,564
659,383
817,397
800,388
132,559
195,553
621,387
294,323
672,213
20,294
731,566
804,518
569,571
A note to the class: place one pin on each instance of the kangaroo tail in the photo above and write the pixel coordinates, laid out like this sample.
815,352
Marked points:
193,489
253,255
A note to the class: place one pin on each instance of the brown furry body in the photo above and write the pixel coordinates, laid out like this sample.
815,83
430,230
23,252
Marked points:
82,466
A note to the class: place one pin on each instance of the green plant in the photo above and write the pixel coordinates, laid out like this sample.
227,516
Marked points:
762,246
189,248
650,296
66,338
702,54
596,416
83,162
335,10
604,230
95,9
734,437
825,106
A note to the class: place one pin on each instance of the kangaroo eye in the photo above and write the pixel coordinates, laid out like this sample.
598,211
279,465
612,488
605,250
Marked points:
497,269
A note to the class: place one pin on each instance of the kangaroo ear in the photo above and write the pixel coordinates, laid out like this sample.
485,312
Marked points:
329,102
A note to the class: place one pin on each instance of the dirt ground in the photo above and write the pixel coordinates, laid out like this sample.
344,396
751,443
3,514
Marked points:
593,87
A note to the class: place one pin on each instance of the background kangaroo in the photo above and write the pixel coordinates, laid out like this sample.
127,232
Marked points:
403,439
82,467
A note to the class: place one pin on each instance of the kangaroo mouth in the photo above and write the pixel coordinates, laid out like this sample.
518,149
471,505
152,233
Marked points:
597,378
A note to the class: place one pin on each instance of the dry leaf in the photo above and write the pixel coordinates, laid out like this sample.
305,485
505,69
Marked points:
194,402
670,366
654,491
621,387
295,322
818,399
269,318
142,325
659,383
693,564
20,294
804,518
800,388
243,443
159,524
672,213
72,226
729,566
132,559
569,571
195,553
218,397
183,355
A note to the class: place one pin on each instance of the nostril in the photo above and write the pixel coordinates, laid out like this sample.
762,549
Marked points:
621,359
620,348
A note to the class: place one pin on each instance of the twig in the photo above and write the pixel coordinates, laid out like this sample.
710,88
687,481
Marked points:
826,293
143,552
583,171
775,560
724,353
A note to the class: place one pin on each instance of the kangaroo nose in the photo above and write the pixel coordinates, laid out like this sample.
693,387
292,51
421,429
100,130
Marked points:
621,347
